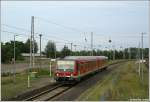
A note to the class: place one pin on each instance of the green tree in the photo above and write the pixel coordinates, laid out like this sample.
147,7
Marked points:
65,52
27,46
8,51
50,49
146,52
4,53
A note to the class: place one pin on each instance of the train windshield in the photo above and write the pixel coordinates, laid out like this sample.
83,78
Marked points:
67,66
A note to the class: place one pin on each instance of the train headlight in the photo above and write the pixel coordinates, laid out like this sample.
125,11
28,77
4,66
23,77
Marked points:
57,74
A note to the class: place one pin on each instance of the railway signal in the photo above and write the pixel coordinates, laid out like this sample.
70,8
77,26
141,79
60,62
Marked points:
110,48
109,40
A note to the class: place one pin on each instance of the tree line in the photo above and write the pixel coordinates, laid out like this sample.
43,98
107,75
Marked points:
7,51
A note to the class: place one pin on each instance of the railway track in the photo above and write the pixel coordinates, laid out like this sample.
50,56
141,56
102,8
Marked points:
50,93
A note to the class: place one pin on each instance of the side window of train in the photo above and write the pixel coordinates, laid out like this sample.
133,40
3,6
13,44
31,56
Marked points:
93,64
86,66
80,66
90,65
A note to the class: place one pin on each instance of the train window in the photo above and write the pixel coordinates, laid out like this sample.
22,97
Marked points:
80,66
66,66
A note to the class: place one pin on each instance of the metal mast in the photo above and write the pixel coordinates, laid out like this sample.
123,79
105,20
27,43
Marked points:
91,43
40,49
33,42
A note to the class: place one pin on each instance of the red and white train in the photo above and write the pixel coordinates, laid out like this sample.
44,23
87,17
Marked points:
73,68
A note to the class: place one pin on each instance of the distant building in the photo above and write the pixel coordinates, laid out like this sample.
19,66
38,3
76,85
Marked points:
37,56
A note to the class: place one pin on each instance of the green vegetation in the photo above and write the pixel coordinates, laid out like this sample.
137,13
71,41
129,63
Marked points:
122,83
9,88
51,51
27,46
20,47
65,52
114,61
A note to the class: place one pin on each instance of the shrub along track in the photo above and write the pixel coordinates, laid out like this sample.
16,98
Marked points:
54,90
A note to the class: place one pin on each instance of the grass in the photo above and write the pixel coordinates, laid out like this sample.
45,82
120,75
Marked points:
10,89
122,83
114,61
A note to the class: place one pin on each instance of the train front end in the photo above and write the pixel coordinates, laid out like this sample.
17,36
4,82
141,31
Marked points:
65,70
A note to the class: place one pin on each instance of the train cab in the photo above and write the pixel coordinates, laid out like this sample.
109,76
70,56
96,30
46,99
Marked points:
65,70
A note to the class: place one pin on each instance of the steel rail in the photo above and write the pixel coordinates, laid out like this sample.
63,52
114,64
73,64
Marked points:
43,92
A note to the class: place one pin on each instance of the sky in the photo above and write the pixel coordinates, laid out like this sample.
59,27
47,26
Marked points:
73,21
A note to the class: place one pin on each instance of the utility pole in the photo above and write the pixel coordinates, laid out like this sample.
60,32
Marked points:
124,53
14,57
55,51
71,46
31,48
142,53
139,59
114,53
75,47
91,43
85,42
110,48
33,41
129,51
40,49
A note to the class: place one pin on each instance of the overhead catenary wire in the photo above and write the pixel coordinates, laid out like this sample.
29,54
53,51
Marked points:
51,22
22,29
63,40
45,36
60,25
126,35
27,35
9,32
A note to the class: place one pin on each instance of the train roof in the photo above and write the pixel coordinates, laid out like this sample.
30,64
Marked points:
84,57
